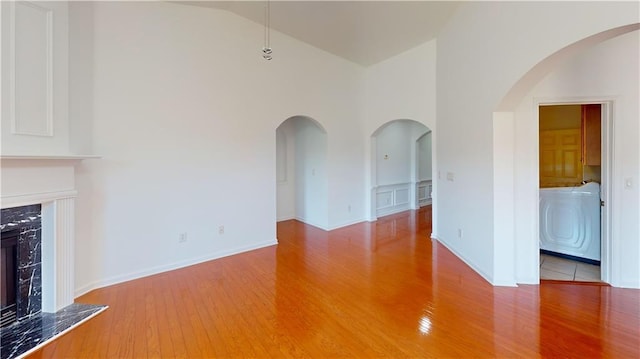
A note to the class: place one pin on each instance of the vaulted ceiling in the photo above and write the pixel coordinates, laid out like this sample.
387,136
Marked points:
365,32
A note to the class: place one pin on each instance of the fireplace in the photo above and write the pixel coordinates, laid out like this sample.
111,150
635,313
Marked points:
43,188
8,277
49,184
21,263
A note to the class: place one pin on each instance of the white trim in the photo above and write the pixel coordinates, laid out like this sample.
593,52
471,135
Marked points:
607,170
329,228
606,190
35,198
48,157
394,184
387,211
346,224
12,70
285,218
391,199
394,206
313,224
58,244
169,267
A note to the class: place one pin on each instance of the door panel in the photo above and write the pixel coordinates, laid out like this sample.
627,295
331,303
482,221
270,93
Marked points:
560,158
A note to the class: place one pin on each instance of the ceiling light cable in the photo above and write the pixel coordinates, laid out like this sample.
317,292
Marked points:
266,49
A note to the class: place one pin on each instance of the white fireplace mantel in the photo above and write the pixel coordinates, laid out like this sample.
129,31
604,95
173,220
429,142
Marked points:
49,181
49,157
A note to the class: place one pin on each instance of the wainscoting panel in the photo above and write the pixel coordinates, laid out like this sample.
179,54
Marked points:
402,196
384,199
392,198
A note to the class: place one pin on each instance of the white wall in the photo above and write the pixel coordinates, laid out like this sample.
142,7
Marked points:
345,168
481,54
401,87
424,157
285,171
311,173
184,112
608,71
393,154
80,78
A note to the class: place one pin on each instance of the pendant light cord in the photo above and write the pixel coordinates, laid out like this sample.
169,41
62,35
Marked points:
266,50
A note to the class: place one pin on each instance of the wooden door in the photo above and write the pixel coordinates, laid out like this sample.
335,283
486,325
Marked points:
560,158
591,132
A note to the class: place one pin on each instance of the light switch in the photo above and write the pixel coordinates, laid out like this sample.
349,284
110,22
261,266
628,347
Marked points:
628,183
450,176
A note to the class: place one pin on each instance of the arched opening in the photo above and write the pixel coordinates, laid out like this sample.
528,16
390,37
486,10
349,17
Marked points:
595,70
301,171
400,151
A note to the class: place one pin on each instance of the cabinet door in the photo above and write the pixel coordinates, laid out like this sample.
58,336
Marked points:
560,155
591,138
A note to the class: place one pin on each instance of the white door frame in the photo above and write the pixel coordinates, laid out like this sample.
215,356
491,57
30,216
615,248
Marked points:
607,155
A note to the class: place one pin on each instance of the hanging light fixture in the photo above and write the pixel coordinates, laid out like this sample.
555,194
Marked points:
266,49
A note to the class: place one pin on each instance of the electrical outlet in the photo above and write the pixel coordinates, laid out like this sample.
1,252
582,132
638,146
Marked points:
349,208
460,233
182,237
221,230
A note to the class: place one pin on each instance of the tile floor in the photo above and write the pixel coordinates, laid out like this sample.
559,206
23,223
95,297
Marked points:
556,268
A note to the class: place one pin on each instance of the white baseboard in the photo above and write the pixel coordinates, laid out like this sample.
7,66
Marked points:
387,211
317,225
529,280
630,284
285,218
345,224
329,228
169,267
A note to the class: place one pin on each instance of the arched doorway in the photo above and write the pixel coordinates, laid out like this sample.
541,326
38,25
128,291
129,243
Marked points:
301,171
399,150
550,82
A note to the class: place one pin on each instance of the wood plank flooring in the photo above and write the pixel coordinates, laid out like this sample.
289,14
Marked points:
382,289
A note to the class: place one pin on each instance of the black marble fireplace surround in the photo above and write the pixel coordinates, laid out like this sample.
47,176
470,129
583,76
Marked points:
25,224
34,328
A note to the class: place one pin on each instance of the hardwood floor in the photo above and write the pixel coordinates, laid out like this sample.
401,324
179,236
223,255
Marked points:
381,289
